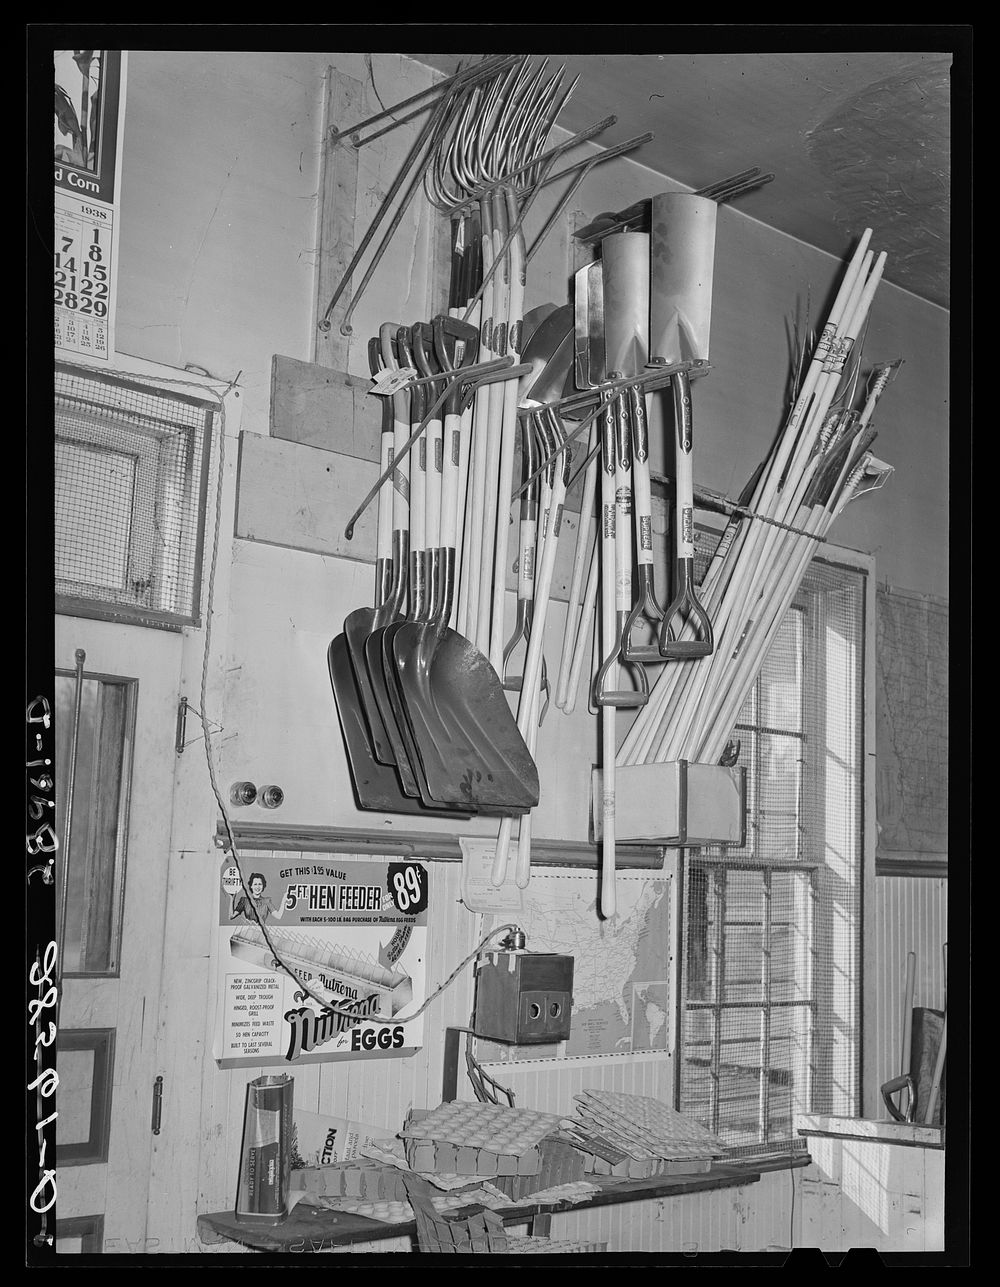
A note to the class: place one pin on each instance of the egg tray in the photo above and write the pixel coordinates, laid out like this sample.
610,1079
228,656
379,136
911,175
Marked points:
385,1212
561,1163
368,1181
631,1168
643,1126
476,1139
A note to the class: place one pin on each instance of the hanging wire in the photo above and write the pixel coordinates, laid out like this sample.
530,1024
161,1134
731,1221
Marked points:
213,779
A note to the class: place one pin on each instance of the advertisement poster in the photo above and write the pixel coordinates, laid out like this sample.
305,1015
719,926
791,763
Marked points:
89,103
353,935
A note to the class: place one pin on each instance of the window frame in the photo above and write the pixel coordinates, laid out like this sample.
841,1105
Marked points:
73,605
865,1075
131,690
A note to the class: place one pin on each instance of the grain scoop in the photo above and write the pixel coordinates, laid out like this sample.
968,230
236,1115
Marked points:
682,250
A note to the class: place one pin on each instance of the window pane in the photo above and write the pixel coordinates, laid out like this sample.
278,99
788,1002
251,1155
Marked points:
93,863
93,499
778,796
780,683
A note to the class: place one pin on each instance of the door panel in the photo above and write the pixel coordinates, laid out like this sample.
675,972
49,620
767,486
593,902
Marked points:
116,990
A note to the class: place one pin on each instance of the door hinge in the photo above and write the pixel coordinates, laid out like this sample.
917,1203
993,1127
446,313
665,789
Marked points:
157,1105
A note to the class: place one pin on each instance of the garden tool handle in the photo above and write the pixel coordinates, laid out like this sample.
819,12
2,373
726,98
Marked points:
685,603
640,478
383,528
904,1082
623,506
684,495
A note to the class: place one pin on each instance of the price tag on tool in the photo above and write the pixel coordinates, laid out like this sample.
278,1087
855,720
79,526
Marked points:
389,381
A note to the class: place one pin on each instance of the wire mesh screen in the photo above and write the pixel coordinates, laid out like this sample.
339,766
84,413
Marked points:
130,478
771,974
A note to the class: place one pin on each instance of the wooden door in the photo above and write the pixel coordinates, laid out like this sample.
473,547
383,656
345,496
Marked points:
112,926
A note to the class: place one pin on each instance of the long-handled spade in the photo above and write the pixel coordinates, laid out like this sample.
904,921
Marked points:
527,530
551,521
682,267
586,348
549,353
626,324
527,715
471,751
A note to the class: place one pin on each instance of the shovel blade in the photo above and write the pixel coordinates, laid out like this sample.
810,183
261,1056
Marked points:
682,254
470,748
625,260
400,720
357,627
376,786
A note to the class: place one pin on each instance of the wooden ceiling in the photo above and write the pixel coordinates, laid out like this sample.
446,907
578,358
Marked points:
854,140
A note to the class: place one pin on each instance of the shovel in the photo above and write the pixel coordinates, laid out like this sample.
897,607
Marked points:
470,749
620,324
406,406
360,623
377,786
527,716
626,326
683,261
574,640
420,605
528,531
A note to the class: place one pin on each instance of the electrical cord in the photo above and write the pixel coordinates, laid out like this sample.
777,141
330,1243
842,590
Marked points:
213,779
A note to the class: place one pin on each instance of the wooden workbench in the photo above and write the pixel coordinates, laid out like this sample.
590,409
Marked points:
310,1228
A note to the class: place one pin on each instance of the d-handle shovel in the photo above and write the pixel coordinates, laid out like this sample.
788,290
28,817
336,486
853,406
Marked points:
682,251
618,548
646,605
686,608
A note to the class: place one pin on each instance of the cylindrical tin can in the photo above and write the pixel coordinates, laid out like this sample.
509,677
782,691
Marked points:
266,1155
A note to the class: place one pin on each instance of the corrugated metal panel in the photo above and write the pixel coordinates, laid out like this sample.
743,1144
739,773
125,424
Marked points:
910,915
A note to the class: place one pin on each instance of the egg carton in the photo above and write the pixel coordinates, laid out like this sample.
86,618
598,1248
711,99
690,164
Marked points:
645,1125
630,1168
528,1246
386,1212
476,1139
367,1180
561,1163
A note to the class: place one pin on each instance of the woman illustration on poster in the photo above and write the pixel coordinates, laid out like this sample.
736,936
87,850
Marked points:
254,906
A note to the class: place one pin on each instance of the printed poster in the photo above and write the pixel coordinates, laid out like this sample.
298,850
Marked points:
319,959
89,104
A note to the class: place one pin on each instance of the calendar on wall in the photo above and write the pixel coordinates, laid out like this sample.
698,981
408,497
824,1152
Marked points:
89,102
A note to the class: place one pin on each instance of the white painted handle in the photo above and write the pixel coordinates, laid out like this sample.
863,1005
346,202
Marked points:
432,503
499,873
584,632
451,447
573,623
383,531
